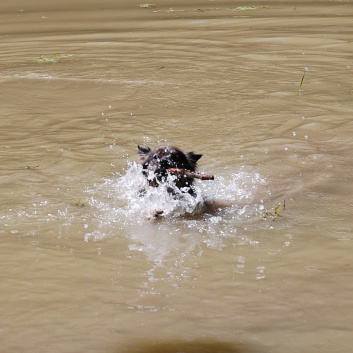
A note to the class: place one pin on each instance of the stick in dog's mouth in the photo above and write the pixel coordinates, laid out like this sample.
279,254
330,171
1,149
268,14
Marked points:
190,174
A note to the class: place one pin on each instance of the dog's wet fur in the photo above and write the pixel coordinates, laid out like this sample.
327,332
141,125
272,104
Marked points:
155,167
157,162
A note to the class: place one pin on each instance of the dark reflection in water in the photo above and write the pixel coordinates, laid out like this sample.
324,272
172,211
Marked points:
196,346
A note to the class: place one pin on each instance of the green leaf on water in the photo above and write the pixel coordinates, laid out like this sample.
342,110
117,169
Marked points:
277,210
245,8
275,214
51,58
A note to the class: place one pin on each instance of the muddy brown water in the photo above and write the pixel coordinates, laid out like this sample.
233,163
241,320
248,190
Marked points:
84,268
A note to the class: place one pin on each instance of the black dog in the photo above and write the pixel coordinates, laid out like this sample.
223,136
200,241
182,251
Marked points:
156,164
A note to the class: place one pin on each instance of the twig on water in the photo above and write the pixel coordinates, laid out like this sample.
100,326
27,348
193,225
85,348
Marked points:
302,80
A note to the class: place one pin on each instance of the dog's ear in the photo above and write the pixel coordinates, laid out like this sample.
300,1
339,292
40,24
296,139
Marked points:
193,158
143,152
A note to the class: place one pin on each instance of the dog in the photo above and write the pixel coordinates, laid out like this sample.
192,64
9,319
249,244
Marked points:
157,162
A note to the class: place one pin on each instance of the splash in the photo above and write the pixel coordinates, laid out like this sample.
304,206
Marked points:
127,202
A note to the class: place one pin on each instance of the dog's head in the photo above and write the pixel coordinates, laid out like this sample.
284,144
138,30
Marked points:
159,160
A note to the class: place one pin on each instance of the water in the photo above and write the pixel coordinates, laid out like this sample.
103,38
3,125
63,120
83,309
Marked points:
259,260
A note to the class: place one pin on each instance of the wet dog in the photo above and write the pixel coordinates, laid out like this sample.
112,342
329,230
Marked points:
158,163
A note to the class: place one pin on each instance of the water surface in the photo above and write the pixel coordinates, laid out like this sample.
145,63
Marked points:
85,267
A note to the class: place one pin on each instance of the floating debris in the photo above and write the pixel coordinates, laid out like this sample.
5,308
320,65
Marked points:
78,203
302,80
275,214
245,8
51,58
